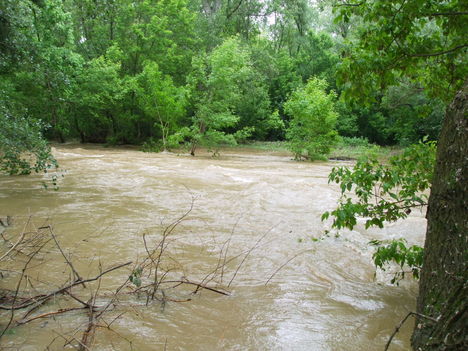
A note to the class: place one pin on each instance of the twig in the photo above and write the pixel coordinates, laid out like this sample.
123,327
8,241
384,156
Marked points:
162,246
227,248
14,246
199,285
397,329
108,325
449,51
113,297
44,315
224,264
67,341
18,287
75,273
284,264
248,253
19,240
61,290
88,335
85,304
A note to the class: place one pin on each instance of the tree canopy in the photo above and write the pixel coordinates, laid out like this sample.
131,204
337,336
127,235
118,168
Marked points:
82,68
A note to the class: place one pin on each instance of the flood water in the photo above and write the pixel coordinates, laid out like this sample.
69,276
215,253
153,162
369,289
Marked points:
319,296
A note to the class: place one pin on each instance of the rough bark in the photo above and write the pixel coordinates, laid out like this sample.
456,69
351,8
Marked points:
443,292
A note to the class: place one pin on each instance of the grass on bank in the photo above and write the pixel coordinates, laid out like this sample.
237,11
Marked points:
345,149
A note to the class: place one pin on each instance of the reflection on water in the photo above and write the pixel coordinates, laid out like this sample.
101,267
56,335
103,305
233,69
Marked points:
326,298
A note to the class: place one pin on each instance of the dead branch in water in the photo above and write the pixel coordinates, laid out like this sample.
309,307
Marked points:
75,273
48,314
248,254
63,289
12,315
155,276
284,264
28,240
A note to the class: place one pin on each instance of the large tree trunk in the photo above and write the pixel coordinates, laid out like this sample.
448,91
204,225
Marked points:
443,292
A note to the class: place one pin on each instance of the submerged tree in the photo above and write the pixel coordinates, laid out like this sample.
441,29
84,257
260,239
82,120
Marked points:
311,133
161,100
216,84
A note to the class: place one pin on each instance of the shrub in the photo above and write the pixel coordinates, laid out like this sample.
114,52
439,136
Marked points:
311,133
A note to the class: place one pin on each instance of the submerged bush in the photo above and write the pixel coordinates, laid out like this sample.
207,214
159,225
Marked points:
311,133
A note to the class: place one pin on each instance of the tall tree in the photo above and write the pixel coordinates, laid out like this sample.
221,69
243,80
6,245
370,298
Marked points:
217,85
23,148
162,102
443,290
426,42
95,100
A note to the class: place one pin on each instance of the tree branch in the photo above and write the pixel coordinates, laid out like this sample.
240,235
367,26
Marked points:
198,285
448,14
440,52
397,329
61,290
44,315
230,13
348,4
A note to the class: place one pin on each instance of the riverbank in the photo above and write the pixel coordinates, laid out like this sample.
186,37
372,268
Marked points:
345,149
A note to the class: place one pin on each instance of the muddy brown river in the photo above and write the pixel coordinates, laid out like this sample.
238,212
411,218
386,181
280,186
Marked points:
255,211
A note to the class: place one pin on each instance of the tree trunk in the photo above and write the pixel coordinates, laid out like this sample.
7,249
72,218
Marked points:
443,289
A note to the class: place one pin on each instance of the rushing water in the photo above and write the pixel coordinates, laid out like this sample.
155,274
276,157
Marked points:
325,298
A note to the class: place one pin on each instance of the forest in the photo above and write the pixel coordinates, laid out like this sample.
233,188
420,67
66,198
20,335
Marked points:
191,74
166,73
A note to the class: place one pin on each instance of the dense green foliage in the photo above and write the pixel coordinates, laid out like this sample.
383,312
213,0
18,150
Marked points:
205,73
311,132
24,150
424,40
382,193
396,251
168,73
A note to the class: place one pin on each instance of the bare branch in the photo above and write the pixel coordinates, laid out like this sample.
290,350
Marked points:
75,273
48,314
19,240
63,289
348,4
198,285
397,329
248,253
284,264
18,287
230,13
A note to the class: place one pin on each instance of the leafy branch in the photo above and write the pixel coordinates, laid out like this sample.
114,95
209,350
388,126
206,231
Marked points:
383,193
397,251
